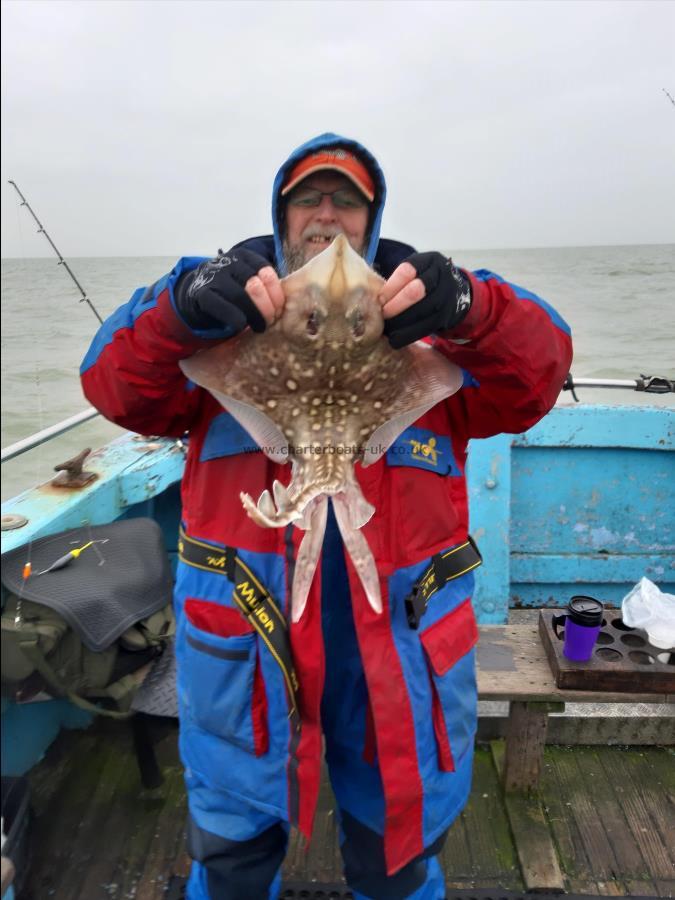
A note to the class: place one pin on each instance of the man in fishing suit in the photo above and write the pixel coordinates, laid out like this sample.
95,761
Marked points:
393,695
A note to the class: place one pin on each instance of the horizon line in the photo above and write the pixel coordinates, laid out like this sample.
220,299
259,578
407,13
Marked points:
457,251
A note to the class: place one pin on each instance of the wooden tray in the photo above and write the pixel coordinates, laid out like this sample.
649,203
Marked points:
623,659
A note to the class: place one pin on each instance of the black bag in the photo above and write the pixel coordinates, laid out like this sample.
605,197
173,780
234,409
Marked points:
84,630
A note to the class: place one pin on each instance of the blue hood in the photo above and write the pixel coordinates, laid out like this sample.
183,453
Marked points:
329,140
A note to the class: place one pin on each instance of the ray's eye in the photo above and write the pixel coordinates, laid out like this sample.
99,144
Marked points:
358,323
313,323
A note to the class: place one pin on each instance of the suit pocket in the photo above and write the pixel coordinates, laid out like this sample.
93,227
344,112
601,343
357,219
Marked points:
222,680
448,645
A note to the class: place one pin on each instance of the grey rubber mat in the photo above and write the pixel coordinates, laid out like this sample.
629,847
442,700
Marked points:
124,576
157,695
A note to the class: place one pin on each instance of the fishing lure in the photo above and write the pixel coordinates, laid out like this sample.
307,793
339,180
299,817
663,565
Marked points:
63,561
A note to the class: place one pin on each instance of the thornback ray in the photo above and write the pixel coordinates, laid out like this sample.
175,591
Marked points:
323,389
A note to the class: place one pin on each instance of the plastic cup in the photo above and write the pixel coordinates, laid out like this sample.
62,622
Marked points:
582,620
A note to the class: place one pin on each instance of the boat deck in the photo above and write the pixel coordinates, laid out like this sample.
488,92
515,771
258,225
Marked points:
97,835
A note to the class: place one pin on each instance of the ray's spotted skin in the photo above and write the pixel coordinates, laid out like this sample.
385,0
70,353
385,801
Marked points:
323,389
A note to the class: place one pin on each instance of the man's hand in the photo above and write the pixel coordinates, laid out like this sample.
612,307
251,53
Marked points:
425,295
232,291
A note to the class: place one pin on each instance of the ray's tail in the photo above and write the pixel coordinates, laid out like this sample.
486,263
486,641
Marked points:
352,511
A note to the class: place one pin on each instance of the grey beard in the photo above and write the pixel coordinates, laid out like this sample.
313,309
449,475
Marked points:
295,255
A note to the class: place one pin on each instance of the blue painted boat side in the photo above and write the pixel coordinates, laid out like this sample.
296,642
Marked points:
584,502
29,728
637,427
132,475
135,477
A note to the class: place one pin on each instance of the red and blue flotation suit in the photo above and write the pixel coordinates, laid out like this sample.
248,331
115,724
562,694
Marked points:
397,705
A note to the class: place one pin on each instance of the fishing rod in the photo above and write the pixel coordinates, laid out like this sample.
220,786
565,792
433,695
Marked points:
648,384
61,262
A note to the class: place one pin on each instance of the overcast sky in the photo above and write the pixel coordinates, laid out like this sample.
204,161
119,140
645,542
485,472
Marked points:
156,128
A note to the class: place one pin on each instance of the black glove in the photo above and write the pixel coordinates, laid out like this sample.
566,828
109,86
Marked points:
213,295
446,302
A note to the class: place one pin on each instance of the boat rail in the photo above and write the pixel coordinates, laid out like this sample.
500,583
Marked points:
40,437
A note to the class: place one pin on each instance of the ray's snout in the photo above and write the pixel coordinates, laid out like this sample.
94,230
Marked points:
337,270
333,298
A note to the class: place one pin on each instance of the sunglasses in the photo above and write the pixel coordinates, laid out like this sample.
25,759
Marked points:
344,198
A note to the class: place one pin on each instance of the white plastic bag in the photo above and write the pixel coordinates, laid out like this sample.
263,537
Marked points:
649,608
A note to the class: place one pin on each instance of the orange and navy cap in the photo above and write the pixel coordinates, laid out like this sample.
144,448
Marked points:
338,159
341,154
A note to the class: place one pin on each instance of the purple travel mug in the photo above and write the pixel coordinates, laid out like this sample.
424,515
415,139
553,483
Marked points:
583,621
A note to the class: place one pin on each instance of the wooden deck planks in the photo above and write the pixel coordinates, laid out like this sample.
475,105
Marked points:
109,824
631,870
47,778
167,845
531,834
456,857
597,859
128,871
649,818
478,851
601,824
568,842
659,790
56,836
493,858
321,860
609,812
